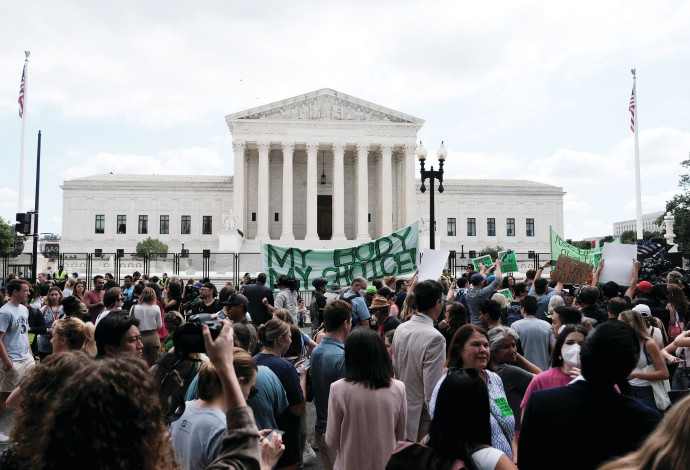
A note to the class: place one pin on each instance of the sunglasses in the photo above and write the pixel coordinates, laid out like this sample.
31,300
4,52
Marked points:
253,392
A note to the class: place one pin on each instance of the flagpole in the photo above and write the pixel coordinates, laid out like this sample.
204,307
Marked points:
638,190
22,160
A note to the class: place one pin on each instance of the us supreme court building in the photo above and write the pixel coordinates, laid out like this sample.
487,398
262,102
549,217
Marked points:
319,170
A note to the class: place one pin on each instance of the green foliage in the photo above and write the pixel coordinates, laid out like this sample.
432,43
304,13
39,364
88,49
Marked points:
491,251
52,254
151,247
606,239
7,234
582,244
679,206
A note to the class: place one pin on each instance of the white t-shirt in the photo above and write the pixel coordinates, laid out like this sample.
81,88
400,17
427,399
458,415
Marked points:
486,458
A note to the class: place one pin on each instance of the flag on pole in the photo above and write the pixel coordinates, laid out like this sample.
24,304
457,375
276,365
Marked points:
631,108
21,94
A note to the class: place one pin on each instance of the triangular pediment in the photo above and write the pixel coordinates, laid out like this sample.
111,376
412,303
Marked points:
324,105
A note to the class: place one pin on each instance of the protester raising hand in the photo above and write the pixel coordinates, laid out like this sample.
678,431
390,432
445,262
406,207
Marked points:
240,447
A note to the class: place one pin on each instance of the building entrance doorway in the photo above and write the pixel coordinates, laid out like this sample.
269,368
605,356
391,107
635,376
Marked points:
324,217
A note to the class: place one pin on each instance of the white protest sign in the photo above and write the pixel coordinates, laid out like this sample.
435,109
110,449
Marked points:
433,262
618,263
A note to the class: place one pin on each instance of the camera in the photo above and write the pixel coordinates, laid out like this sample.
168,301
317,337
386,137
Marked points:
188,338
288,281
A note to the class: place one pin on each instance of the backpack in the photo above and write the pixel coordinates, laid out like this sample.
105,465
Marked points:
355,319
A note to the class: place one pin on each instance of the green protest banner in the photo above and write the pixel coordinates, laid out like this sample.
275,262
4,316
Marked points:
485,260
506,293
509,262
561,247
393,255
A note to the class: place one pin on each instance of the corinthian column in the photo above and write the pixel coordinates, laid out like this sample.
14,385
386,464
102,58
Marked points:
312,153
409,190
288,149
385,187
262,192
239,201
362,216
338,192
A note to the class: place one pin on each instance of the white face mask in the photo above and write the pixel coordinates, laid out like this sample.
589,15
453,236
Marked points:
571,355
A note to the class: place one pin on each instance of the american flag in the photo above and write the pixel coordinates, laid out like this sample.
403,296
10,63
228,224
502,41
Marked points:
21,95
632,110
650,249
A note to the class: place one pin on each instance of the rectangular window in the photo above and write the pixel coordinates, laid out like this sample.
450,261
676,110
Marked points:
165,224
510,227
471,227
186,226
253,216
144,224
472,254
491,227
451,227
277,217
121,224
100,223
529,227
207,227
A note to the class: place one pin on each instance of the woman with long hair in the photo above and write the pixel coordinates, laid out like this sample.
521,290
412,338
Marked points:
469,348
148,313
34,400
172,299
364,432
79,290
461,427
666,448
72,334
275,338
112,418
677,306
650,353
508,282
51,310
565,362
197,434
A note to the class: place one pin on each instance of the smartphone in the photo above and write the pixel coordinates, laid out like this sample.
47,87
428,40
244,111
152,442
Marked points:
553,262
270,434
303,365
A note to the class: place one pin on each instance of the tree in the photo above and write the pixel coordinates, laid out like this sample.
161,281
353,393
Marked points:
151,247
679,206
7,235
491,251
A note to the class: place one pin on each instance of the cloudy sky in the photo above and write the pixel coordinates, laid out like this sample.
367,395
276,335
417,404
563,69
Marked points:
534,89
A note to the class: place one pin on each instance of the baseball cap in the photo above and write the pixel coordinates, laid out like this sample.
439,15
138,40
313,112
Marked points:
319,281
370,289
645,287
476,277
491,278
643,309
236,299
197,284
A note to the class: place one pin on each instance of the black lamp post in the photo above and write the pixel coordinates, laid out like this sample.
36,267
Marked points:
432,174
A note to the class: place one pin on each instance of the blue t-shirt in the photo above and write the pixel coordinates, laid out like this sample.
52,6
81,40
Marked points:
327,366
360,312
271,400
543,302
288,422
14,322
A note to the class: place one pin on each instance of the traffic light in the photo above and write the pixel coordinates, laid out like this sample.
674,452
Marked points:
23,224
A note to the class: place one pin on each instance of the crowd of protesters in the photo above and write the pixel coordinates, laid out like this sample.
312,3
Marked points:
450,373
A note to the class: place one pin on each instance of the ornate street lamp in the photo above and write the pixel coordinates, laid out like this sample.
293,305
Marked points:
432,174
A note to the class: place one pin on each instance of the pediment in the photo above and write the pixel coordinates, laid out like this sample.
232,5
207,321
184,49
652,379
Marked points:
324,105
